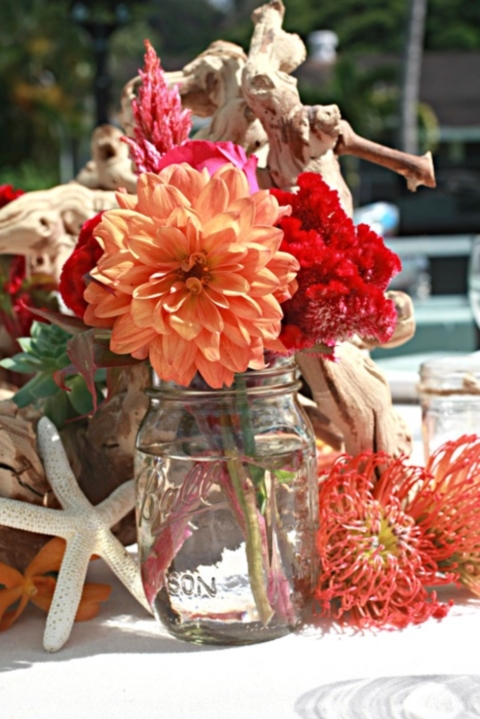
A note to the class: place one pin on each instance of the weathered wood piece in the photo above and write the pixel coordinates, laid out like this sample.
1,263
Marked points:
45,224
110,167
355,396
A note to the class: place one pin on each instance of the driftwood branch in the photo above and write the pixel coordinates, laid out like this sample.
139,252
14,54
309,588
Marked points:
300,138
355,396
110,167
46,223
417,170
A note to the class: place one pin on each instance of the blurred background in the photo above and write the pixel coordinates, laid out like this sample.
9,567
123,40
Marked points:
403,72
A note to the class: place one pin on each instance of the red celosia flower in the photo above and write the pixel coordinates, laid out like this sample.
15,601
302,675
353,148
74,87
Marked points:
375,560
160,121
8,193
344,271
84,257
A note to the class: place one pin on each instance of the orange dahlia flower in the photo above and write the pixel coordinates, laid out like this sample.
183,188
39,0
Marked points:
191,275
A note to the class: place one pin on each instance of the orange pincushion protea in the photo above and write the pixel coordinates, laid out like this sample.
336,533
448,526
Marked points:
191,276
447,507
375,560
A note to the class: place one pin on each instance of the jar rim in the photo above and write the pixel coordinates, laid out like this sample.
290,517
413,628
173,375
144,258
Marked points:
453,372
280,375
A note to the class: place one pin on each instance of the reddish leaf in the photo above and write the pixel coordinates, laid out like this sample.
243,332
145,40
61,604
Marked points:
74,325
81,351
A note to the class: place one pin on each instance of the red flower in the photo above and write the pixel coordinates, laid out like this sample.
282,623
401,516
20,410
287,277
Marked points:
447,508
160,121
344,271
375,560
8,193
75,271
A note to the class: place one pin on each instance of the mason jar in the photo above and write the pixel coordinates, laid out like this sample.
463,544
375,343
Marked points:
226,506
449,393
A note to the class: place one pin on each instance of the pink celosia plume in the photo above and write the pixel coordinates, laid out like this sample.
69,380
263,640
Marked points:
160,123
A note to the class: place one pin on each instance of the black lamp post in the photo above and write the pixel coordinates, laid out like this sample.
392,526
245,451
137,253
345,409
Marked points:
100,18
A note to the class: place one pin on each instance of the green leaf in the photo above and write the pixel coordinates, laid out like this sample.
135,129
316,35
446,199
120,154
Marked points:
38,387
22,362
56,408
79,396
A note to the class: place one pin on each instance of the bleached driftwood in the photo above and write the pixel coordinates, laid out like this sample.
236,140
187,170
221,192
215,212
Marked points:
44,225
300,138
110,167
354,395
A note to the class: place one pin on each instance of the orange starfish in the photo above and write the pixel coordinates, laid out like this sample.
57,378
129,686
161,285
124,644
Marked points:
37,585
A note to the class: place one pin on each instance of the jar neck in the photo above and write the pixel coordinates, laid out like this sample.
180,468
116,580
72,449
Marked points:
281,374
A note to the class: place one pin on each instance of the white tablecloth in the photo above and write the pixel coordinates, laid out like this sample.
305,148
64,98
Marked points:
121,665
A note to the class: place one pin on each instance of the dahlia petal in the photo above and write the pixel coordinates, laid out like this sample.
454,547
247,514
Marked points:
214,373
143,310
208,314
92,320
235,180
126,201
270,237
185,178
245,307
187,329
219,224
168,245
209,345
265,282
236,333
166,199
233,356
229,284
127,337
165,369
172,246
112,306
153,288
213,200
132,278
217,298
173,302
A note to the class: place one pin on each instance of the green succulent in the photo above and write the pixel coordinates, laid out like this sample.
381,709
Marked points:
56,387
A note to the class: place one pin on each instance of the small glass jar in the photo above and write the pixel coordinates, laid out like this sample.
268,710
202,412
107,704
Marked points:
449,392
226,487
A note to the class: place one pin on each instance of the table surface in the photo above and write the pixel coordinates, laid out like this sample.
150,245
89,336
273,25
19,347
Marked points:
122,664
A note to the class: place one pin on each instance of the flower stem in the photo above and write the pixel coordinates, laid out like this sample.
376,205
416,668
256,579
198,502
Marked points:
247,499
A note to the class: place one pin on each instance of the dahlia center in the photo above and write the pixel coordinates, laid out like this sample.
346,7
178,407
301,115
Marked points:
195,272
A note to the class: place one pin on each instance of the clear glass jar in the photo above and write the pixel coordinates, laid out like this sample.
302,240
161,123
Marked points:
449,392
226,485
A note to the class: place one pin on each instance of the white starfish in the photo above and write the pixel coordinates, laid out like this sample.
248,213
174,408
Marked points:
85,528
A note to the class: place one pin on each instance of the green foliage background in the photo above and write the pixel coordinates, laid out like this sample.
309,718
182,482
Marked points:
47,65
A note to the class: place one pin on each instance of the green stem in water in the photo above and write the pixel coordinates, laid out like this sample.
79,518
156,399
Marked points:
247,499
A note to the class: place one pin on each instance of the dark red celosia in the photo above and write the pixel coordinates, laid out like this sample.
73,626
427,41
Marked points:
8,193
160,122
375,559
344,271
83,259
